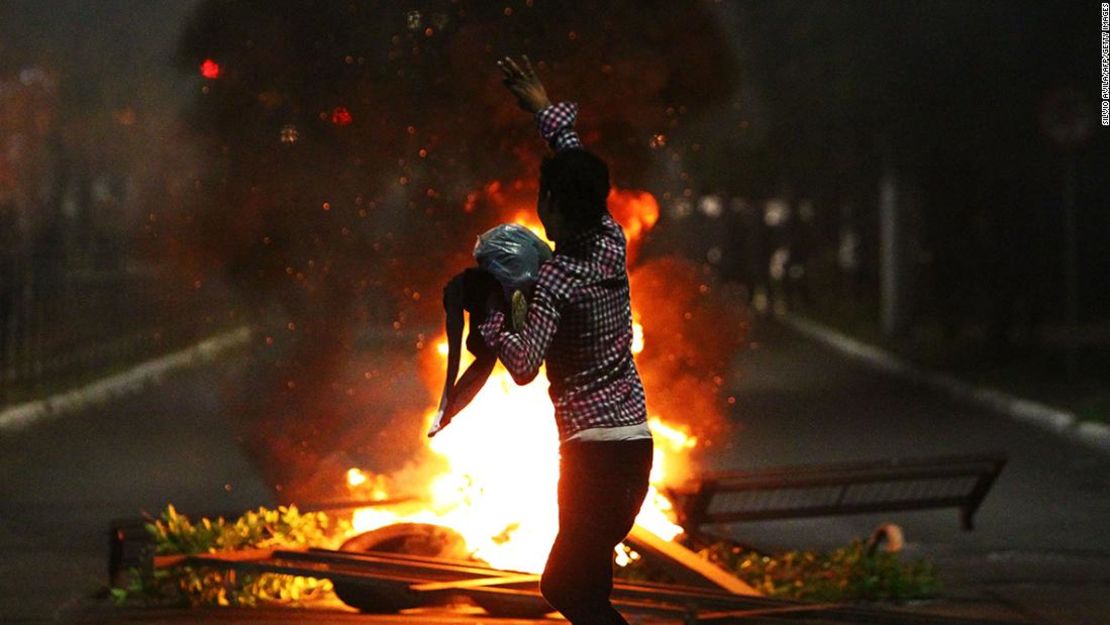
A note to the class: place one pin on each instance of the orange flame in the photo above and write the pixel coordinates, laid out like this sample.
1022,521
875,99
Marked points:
355,477
636,212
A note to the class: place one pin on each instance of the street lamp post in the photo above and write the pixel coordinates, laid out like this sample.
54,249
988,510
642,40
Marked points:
1067,119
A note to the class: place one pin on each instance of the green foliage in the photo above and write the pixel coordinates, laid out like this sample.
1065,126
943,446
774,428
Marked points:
850,573
283,528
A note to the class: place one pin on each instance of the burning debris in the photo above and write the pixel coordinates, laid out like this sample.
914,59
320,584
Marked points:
276,555
270,557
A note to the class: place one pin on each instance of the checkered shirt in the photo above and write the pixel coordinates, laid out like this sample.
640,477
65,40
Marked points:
556,124
580,321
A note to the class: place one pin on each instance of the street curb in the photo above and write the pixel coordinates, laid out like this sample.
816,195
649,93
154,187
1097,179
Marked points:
1061,422
23,415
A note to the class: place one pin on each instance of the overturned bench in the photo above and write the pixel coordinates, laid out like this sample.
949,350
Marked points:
855,488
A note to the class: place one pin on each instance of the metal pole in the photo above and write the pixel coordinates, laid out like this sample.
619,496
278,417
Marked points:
1071,265
892,311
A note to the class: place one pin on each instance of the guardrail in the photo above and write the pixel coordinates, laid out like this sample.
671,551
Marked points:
55,326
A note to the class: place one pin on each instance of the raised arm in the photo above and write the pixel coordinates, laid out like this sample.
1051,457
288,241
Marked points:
555,121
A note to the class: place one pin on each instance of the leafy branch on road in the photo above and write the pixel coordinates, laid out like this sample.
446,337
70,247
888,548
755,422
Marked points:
281,528
849,573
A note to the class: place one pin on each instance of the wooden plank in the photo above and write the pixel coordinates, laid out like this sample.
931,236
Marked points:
375,556
318,571
686,565
481,582
240,555
373,561
740,614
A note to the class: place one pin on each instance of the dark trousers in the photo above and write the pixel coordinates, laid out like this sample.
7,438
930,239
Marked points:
601,488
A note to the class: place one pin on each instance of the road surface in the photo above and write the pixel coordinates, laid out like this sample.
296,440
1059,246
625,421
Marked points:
64,480
1041,547
1041,550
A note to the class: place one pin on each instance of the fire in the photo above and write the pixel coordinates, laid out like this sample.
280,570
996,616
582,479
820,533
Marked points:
530,221
373,486
501,454
637,334
355,477
635,211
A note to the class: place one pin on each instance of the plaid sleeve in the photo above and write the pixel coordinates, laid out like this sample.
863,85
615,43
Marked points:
556,124
490,329
523,352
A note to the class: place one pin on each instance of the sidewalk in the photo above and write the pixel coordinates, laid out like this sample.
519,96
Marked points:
1057,420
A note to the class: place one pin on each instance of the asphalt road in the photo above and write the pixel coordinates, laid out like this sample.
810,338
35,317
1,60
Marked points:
1041,547
1041,550
62,481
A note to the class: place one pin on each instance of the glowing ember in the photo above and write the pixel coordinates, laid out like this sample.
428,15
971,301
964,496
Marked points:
501,453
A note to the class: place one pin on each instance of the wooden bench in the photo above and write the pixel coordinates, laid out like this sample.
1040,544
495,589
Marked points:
856,488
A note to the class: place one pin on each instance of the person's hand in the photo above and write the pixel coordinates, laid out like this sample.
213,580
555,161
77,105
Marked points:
522,82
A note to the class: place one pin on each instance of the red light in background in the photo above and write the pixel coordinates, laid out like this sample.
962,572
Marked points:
340,116
210,69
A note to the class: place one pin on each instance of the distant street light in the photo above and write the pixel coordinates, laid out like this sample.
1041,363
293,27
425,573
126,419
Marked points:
210,69
340,116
